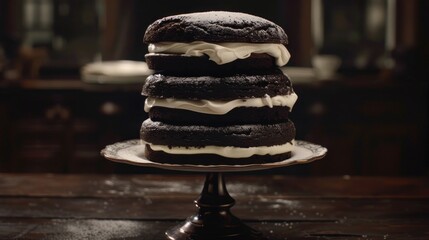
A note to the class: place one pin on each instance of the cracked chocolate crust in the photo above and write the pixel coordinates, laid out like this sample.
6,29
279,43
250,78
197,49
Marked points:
236,86
248,135
215,26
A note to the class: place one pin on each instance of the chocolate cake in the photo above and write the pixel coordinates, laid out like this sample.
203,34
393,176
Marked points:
218,96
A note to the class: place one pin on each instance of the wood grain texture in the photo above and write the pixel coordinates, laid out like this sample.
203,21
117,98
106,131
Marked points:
46,206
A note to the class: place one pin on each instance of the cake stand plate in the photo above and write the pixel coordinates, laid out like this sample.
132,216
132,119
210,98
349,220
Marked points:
132,152
213,220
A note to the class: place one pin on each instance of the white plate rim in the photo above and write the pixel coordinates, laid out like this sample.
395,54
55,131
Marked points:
132,152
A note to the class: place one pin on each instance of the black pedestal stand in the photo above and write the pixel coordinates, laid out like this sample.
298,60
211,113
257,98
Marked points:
213,220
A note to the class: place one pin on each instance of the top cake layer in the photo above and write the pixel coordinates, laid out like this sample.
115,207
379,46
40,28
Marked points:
215,26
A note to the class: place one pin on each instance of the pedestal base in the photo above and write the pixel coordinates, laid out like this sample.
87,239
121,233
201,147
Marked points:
190,230
213,221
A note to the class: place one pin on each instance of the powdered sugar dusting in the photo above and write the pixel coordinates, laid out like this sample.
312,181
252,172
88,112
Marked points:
223,17
97,229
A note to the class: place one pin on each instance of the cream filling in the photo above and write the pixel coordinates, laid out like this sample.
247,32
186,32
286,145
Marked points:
229,151
222,53
220,107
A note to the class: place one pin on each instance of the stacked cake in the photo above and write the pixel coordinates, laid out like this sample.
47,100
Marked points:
218,96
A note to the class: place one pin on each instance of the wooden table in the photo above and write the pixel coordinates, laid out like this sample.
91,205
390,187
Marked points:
46,206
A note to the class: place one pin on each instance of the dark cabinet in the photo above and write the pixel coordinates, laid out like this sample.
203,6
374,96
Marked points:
64,130
368,128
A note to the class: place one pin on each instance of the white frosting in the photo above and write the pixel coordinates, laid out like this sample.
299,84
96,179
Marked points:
222,53
220,107
229,151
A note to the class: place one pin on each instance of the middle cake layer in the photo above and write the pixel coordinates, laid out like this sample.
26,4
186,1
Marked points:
238,86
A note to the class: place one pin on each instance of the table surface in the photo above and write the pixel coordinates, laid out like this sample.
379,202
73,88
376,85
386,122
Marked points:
48,206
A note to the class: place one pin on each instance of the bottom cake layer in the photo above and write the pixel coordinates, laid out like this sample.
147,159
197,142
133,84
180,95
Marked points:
244,136
215,159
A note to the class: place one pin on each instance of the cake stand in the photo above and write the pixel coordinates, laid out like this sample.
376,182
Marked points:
213,220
